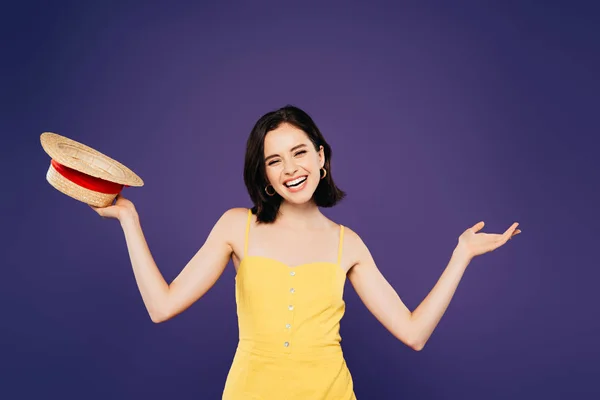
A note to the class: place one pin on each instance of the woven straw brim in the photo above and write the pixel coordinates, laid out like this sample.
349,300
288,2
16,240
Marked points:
77,192
84,159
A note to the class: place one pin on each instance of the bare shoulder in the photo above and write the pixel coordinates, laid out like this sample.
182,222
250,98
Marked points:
232,221
355,249
231,227
353,240
362,265
234,215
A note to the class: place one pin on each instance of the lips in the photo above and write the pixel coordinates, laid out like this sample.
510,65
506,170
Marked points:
295,181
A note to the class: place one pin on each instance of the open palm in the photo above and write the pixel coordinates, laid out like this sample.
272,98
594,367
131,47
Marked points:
475,244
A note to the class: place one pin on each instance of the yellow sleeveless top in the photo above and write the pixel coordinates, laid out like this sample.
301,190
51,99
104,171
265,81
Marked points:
289,341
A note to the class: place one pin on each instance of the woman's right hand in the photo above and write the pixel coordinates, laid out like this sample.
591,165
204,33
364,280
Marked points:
120,209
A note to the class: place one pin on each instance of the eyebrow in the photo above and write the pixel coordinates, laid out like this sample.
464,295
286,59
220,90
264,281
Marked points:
291,150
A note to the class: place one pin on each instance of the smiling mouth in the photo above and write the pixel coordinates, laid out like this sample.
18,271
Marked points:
296,182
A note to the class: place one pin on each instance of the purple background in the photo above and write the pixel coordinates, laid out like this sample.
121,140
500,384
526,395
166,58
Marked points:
439,116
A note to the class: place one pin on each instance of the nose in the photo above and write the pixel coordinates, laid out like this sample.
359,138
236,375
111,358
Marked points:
290,168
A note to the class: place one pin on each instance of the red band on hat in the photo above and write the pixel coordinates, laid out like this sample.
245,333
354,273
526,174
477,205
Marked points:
87,181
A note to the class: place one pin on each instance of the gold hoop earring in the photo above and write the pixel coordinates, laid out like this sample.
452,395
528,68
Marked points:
324,173
267,191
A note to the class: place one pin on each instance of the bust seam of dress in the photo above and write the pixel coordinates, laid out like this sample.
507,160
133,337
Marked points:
329,263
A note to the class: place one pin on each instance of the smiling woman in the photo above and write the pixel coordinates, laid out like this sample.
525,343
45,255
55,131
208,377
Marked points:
284,147
292,263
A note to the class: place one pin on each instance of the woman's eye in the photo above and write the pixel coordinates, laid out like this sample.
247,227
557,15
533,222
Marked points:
276,161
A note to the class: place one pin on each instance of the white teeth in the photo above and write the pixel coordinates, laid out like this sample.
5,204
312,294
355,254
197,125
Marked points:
295,181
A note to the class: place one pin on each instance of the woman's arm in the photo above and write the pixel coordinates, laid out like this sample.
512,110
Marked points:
428,314
414,329
380,298
164,301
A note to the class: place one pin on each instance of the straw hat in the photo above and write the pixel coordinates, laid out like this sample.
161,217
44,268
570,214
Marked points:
83,173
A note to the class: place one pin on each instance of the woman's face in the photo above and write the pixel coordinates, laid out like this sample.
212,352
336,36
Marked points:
292,163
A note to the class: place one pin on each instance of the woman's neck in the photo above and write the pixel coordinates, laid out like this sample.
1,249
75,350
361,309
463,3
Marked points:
305,215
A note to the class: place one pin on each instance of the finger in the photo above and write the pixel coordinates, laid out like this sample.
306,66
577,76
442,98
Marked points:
478,226
515,233
508,233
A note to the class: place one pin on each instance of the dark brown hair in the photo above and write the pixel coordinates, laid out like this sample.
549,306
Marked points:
266,207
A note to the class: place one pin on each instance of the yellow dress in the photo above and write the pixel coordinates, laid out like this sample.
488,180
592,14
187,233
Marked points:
289,342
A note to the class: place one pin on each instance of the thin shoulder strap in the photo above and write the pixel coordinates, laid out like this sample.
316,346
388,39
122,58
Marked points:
340,245
247,230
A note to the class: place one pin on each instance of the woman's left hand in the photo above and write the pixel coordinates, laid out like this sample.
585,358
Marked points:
472,244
